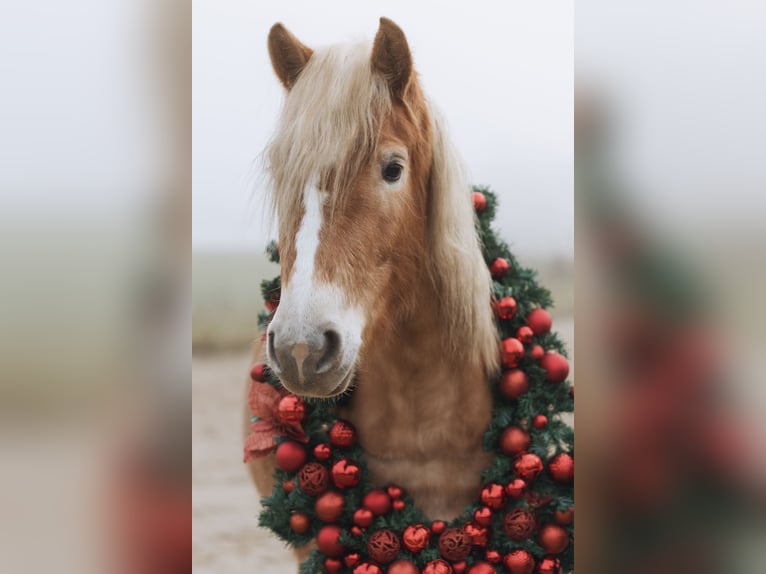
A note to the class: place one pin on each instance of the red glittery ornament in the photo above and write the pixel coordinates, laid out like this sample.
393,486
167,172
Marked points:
556,367
363,517
540,422
288,486
342,433
327,541
528,466
549,565
259,372
394,492
416,537
519,561
481,568
499,267
438,526
300,522
291,409
383,546
512,351
519,524
539,320
346,473
513,441
561,467
351,560
290,456
479,201
333,565
564,517
322,452
329,506
402,567
483,516
493,496
477,533
398,504
513,384
377,501
515,488
313,478
437,567
536,352
493,556
524,334
505,309
367,568
553,538
454,544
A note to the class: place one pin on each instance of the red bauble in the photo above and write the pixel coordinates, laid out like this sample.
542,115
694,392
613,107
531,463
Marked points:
540,422
327,541
272,302
438,567
481,568
300,522
459,567
291,409
556,367
377,501
553,538
479,201
483,516
493,556
398,504
549,565
259,372
438,526
402,567
519,561
515,488
346,473
342,433
505,309
513,384
416,537
524,334
363,517
454,544
499,267
329,506
288,486
564,517
561,467
356,531
512,352
313,478
322,452
477,533
394,492
539,320
519,524
351,560
513,441
493,496
367,568
536,353
383,546
290,456
571,392
333,565
528,466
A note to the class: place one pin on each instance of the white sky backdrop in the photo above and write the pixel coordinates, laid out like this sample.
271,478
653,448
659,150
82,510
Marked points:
501,72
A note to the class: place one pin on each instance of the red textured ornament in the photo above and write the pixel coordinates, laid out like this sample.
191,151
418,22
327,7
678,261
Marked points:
536,353
398,504
333,565
561,468
454,544
513,384
394,492
377,501
351,560
383,546
259,372
367,568
345,473
403,567
438,526
477,533
290,456
313,478
363,517
342,433
499,267
539,320
540,422
519,561
493,556
515,488
549,565
513,441
564,517
479,201
483,516
322,452
300,522
493,496
512,352
416,537
556,367
327,541
481,568
291,409
329,506
519,524
288,486
553,538
438,567
505,309
528,467
524,334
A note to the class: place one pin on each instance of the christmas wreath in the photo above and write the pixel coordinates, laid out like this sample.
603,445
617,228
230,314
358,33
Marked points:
522,519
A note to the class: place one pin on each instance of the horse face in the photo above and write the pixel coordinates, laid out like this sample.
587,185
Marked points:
348,253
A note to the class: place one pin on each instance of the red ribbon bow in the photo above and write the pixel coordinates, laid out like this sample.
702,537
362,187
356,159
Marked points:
264,404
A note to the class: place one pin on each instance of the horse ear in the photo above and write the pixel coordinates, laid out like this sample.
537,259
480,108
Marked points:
288,55
391,56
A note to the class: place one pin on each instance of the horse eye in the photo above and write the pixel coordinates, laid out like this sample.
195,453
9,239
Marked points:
392,172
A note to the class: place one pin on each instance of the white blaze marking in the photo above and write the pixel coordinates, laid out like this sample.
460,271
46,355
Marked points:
306,245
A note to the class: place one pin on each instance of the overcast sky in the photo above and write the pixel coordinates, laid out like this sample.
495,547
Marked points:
502,74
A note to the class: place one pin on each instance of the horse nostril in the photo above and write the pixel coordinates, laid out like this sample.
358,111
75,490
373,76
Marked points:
331,350
272,351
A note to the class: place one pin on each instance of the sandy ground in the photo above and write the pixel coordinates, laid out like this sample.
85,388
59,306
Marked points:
226,537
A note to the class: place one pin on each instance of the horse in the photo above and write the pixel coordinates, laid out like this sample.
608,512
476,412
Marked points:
384,292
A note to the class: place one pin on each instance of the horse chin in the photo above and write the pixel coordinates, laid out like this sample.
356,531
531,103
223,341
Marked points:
327,390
